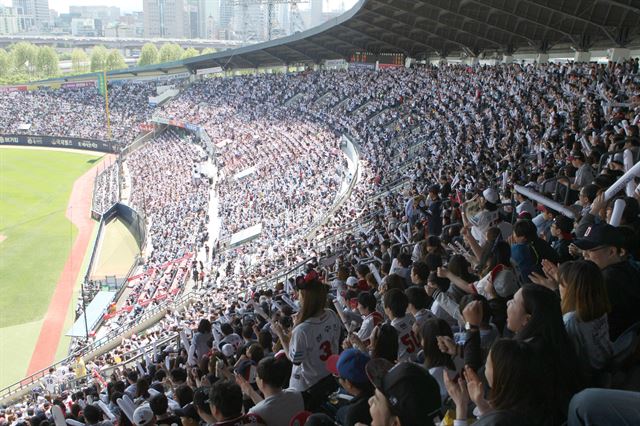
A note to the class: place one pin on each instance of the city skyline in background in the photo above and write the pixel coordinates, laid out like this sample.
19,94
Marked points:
62,6
245,21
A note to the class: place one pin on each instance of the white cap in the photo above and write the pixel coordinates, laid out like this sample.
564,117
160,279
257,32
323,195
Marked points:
351,281
491,195
142,416
228,350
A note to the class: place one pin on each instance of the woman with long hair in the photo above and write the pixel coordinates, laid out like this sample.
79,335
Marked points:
384,343
314,338
498,270
534,315
202,339
458,271
517,392
585,306
142,390
435,361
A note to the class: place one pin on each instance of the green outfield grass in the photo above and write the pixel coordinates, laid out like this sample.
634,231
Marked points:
35,186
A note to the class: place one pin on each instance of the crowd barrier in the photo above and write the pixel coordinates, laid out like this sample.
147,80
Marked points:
141,140
95,212
352,151
59,142
133,220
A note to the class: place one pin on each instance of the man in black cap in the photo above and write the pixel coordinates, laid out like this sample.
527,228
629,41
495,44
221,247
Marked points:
603,244
406,395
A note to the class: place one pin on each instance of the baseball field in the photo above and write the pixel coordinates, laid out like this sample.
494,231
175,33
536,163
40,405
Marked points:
37,238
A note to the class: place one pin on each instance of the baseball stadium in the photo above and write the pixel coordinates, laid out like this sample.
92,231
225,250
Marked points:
415,213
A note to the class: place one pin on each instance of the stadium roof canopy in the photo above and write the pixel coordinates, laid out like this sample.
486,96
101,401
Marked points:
422,28
431,28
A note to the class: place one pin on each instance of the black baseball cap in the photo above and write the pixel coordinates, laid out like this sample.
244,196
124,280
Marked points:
600,235
189,411
201,399
563,223
412,393
576,155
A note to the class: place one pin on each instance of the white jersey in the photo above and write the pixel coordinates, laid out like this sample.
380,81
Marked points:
408,345
50,381
422,316
312,343
368,324
481,224
233,339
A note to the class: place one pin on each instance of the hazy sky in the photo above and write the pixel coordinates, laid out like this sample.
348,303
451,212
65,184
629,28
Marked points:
62,6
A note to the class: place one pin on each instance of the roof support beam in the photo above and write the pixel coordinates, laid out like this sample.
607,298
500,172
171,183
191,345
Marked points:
436,22
493,8
310,40
391,44
471,18
398,36
243,58
301,52
409,39
273,55
572,17
350,42
415,29
622,5
342,52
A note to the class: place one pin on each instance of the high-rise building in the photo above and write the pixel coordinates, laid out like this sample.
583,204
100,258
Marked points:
192,30
249,22
208,17
34,14
226,11
166,19
316,13
105,13
9,21
85,27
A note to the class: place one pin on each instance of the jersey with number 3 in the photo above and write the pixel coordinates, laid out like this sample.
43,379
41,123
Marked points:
312,343
408,345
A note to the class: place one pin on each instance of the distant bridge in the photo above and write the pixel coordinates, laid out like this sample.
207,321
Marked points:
69,41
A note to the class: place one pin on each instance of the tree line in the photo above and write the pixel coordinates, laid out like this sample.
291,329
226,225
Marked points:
24,62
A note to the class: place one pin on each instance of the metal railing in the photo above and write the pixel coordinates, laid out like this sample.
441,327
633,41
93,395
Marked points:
338,203
33,379
131,357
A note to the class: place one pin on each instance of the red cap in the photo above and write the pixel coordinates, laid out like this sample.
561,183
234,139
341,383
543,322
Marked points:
332,364
300,419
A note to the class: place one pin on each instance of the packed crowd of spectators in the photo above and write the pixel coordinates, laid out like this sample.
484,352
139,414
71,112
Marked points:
78,112
175,202
275,168
437,292
106,191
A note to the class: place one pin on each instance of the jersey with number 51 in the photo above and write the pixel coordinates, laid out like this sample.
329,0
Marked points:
312,343
408,345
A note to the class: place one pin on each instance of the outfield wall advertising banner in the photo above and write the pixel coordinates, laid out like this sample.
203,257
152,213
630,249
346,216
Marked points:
384,66
213,70
76,84
361,66
176,123
58,142
22,88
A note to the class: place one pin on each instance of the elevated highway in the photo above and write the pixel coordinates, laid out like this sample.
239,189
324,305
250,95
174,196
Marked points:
67,41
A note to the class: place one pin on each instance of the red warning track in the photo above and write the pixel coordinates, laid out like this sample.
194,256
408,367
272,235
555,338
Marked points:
78,212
